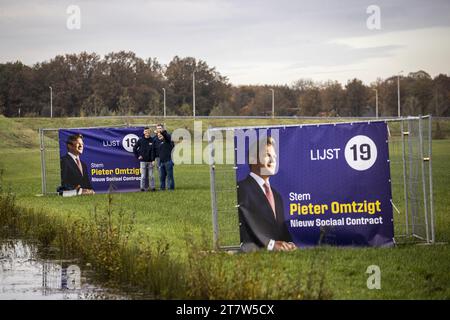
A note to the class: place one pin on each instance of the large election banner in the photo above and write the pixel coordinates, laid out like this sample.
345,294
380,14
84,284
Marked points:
332,184
108,156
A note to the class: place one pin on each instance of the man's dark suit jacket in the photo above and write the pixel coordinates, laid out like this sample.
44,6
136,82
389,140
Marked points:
257,222
71,175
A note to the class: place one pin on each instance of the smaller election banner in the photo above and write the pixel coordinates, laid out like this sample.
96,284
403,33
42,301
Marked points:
107,160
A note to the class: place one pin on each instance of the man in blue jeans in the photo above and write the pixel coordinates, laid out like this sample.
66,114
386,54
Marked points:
159,128
165,147
145,152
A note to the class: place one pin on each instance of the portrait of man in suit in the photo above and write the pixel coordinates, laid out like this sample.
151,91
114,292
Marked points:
261,217
74,172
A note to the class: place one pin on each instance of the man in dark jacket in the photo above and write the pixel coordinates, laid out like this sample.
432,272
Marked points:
156,142
165,146
74,172
144,150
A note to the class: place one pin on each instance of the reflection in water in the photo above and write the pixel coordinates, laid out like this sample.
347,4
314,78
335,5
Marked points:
23,276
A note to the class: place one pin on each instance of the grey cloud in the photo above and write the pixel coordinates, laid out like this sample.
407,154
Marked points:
227,33
332,55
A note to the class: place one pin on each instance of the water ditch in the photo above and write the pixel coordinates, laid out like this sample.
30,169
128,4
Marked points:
28,272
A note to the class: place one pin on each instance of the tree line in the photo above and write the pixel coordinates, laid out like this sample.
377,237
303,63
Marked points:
121,83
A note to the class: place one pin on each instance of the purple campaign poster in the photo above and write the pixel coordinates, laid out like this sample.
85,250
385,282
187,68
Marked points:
108,156
334,182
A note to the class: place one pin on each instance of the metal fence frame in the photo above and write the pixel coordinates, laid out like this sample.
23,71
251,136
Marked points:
425,156
425,159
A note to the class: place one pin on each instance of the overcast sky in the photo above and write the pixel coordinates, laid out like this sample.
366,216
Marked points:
248,41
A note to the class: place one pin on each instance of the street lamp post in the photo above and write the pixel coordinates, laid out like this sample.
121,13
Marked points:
51,102
398,93
164,90
376,103
193,94
273,103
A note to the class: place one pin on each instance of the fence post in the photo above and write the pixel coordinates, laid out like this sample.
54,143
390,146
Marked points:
422,167
43,167
411,189
430,173
212,175
405,185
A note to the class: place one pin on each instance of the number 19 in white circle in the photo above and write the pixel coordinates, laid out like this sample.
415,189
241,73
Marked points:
360,152
129,141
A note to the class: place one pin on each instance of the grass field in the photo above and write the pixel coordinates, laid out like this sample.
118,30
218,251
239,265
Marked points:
407,271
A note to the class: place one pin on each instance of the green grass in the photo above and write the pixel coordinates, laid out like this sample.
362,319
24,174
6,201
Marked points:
407,271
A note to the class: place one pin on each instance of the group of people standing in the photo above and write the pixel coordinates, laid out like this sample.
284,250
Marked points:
155,151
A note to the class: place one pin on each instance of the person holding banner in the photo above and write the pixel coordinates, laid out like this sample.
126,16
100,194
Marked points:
144,150
74,173
261,216
159,128
165,146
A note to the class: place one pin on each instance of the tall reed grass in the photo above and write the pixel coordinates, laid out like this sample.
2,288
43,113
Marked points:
148,268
